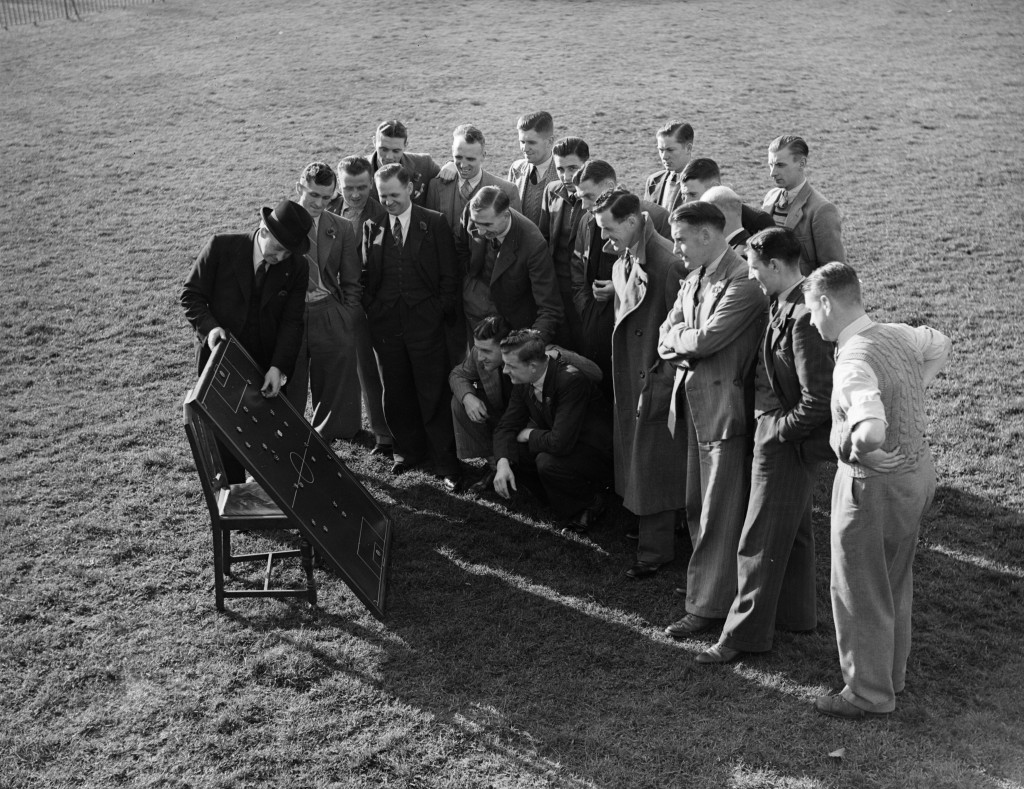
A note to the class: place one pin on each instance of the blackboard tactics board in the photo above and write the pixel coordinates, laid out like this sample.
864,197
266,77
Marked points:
298,470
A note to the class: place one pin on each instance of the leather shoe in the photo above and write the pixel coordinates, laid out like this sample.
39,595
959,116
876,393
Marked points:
383,449
838,707
453,483
642,570
483,485
400,467
690,625
680,591
719,653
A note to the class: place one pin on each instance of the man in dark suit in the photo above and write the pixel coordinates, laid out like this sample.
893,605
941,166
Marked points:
536,169
556,432
560,215
792,390
649,461
712,335
796,204
699,175
507,266
353,202
253,286
675,141
389,144
450,197
411,289
327,359
591,267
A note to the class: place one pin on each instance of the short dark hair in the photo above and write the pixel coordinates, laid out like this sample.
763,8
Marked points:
393,170
469,133
596,170
700,214
621,202
527,344
355,165
493,327
490,197
318,173
393,128
701,170
779,243
572,146
790,141
680,131
540,122
836,280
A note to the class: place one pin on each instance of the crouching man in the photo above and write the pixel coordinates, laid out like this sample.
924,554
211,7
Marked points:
555,435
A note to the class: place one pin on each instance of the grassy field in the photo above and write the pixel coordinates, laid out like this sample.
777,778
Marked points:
513,656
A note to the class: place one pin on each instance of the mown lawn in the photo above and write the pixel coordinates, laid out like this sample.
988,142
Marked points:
512,656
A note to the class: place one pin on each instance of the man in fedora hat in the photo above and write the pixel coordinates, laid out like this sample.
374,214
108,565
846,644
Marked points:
253,285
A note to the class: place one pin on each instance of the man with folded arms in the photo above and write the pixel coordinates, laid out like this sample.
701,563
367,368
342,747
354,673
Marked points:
884,486
792,387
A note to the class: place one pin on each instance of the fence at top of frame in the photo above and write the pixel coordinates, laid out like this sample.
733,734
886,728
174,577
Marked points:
26,12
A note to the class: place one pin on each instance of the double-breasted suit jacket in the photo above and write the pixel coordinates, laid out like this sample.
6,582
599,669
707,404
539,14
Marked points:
444,196
650,464
422,169
522,283
218,290
816,223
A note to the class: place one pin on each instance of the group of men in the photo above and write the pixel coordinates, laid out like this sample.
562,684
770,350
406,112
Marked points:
699,356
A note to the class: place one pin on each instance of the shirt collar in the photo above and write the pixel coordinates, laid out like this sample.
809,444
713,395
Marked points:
542,168
712,267
783,297
501,237
792,193
405,217
257,255
472,181
855,328
538,385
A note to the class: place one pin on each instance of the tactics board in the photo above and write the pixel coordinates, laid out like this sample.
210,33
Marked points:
297,469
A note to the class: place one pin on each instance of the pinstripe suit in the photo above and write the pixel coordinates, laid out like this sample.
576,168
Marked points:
775,561
713,342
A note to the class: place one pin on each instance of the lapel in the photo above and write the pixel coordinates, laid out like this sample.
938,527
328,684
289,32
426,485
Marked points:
796,208
520,177
325,235
373,243
686,293
633,290
415,234
507,250
245,274
548,392
277,279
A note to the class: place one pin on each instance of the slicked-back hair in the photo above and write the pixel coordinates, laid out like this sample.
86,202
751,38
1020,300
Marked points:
540,122
683,132
700,214
355,165
790,141
836,280
490,197
469,133
319,173
596,170
393,128
621,202
777,243
526,344
702,170
572,146
493,327
394,170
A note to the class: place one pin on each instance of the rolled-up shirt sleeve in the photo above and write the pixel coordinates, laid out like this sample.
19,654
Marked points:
855,389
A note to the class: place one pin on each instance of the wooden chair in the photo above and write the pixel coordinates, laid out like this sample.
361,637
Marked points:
241,507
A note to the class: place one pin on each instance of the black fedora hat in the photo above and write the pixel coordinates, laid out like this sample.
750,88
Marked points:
290,224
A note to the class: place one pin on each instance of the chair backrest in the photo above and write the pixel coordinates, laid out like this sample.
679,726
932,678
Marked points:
206,453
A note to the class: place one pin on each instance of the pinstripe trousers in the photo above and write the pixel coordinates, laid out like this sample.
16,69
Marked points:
717,487
875,524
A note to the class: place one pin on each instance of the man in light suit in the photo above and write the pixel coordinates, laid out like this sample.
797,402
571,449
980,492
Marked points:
675,142
555,434
591,266
508,269
353,202
389,144
712,335
536,169
253,285
411,288
883,488
450,197
327,359
795,204
649,461
560,215
792,387
699,175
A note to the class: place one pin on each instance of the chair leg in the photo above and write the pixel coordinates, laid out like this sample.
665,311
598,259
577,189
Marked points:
219,541
306,549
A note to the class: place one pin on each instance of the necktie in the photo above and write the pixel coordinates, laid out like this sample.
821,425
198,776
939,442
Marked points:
533,174
396,231
572,198
628,264
495,244
538,393
261,275
466,190
314,261
696,291
783,202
